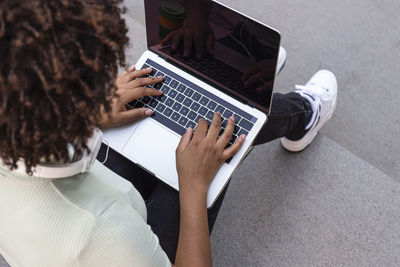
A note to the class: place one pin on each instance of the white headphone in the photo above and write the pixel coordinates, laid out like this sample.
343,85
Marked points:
70,169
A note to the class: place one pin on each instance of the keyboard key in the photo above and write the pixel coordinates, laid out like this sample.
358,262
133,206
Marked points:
212,105
160,108
220,109
145,66
188,92
187,102
237,118
162,98
192,115
170,124
198,118
176,106
168,112
139,104
196,96
236,129
242,132
246,124
153,103
224,123
174,84
191,124
210,115
132,103
181,88
184,111
204,101
158,86
203,111
167,79
165,89
208,123
172,94
179,98
175,116
145,99
227,114
182,121
195,106
169,102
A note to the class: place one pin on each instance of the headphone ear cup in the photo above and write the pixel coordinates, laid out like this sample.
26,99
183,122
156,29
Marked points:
94,144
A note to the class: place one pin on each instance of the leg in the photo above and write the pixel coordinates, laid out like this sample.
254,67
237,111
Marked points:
144,182
289,116
162,201
163,211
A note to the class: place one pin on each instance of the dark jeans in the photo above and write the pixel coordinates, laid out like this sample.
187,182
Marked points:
289,116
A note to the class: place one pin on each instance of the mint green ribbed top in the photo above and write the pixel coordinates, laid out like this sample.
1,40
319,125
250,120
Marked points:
91,219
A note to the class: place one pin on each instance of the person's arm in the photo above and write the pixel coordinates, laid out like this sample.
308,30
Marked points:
198,160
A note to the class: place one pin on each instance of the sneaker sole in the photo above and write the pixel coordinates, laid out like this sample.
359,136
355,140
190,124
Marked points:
300,145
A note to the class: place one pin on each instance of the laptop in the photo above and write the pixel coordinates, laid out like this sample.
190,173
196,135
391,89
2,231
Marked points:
238,50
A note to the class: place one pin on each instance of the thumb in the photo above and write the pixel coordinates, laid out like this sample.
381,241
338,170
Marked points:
185,140
132,115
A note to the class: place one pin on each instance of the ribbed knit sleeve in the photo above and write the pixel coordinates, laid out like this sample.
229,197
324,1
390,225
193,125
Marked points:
120,237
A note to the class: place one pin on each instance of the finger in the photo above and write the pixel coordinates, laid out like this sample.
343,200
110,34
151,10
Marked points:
129,95
250,72
201,129
130,76
187,44
135,114
255,80
175,40
227,134
185,140
140,82
199,42
264,88
168,39
215,127
211,43
232,150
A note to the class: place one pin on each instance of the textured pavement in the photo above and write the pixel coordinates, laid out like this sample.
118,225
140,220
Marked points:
338,202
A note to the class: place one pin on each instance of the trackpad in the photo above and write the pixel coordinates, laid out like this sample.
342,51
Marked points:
153,147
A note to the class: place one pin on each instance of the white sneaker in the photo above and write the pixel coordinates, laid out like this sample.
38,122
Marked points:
281,60
321,92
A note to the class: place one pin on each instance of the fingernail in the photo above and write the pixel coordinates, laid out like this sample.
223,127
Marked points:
160,77
232,118
149,112
131,68
243,136
148,69
219,113
189,129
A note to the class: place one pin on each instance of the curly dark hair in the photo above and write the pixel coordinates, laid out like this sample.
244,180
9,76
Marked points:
58,63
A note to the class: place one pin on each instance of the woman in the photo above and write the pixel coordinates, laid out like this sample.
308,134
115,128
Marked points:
58,65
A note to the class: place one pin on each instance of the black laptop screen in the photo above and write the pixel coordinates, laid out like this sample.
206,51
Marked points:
217,44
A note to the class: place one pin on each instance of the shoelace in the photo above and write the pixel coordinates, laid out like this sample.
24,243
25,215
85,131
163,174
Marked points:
313,96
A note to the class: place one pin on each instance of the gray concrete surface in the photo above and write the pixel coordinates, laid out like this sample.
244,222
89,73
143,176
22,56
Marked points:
337,203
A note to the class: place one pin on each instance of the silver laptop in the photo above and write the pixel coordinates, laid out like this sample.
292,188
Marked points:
234,76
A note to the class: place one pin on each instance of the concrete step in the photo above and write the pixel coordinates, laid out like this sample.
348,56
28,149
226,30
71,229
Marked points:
321,207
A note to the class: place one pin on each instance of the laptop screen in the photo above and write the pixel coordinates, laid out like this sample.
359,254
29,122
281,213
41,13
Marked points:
223,47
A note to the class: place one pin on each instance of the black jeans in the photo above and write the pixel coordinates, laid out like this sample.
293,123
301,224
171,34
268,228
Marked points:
289,116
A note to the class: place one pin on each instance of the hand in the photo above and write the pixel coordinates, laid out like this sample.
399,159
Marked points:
129,87
260,76
195,29
199,159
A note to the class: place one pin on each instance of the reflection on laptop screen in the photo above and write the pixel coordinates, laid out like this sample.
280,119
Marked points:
218,44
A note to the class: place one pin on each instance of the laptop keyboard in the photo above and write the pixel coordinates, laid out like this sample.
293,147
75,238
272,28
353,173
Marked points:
183,104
